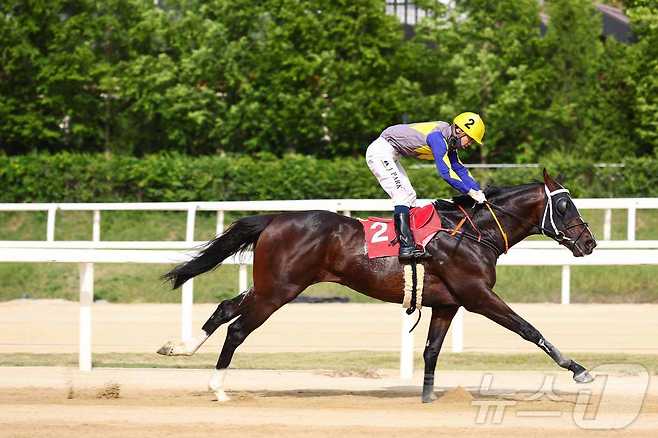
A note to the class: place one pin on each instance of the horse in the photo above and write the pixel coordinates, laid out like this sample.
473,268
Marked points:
294,250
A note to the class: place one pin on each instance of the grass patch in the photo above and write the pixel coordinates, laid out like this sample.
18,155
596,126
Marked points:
359,361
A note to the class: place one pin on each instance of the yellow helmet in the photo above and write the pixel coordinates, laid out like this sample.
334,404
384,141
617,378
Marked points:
471,124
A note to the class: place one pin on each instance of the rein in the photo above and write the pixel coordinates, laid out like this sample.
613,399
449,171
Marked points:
461,222
479,239
500,227
470,236
555,233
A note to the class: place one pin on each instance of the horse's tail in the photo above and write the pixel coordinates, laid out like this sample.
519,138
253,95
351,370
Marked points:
237,238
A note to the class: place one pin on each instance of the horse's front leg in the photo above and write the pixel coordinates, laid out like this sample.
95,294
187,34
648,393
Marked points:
439,324
493,307
226,311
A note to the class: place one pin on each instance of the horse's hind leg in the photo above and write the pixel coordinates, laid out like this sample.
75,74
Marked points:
494,308
254,315
226,311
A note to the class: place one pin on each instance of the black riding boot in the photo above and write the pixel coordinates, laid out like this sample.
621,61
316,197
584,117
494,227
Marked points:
408,250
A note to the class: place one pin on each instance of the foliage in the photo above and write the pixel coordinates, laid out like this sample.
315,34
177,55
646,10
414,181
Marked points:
644,16
322,77
69,177
483,50
193,76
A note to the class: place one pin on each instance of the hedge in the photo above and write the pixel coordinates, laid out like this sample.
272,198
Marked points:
72,177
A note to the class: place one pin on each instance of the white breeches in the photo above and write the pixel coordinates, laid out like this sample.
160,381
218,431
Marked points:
384,163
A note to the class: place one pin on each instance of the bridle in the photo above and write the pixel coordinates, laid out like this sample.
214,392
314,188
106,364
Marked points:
555,233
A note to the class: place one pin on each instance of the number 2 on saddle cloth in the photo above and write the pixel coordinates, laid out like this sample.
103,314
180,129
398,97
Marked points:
425,222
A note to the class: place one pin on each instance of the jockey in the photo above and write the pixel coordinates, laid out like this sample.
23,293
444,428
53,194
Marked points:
437,141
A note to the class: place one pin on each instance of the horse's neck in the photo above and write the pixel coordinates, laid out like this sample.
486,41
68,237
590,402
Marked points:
524,203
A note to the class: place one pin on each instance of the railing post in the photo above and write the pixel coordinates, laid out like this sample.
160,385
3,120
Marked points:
86,299
566,284
457,333
191,218
406,347
50,224
242,278
220,222
607,224
187,294
96,229
631,223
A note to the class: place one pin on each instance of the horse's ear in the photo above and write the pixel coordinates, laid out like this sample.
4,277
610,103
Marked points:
549,181
547,177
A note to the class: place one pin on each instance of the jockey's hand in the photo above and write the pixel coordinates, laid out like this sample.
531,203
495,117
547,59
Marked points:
478,195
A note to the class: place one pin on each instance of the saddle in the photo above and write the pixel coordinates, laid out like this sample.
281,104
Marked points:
424,221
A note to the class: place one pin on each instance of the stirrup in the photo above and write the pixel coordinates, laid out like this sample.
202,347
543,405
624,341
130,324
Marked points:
407,257
416,254
420,254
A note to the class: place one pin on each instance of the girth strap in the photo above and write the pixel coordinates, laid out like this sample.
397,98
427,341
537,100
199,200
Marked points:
413,289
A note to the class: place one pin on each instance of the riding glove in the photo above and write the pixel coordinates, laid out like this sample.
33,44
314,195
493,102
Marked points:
478,195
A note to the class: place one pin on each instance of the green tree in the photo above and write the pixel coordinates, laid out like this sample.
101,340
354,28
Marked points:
483,52
644,20
197,76
26,115
171,87
59,70
321,77
316,77
571,51
611,108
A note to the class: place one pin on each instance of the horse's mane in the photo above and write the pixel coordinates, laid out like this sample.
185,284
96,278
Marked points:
492,193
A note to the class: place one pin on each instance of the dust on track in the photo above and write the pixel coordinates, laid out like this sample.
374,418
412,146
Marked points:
142,413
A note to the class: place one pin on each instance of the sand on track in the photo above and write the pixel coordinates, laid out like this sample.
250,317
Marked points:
51,326
60,402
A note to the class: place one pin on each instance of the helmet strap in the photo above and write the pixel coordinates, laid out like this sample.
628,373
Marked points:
453,140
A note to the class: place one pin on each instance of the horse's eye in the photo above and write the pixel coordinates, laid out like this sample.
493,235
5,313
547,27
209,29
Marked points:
561,205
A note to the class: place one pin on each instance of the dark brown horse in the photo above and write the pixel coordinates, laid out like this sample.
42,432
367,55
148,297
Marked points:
295,250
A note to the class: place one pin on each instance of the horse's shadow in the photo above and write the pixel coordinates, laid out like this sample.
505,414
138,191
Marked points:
385,393
449,395
390,392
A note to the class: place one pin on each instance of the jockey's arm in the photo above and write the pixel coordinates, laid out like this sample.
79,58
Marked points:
437,143
462,171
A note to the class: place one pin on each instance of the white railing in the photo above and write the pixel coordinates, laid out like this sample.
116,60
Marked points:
86,253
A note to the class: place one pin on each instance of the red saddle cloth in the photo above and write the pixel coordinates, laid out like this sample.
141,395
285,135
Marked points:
425,222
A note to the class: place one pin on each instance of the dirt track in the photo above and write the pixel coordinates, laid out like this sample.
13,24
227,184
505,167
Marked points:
51,326
61,402
55,402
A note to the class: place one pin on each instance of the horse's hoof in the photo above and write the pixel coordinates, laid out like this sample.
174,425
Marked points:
221,396
429,398
167,349
583,377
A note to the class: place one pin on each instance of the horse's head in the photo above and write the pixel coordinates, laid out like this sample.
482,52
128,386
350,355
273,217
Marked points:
562,222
